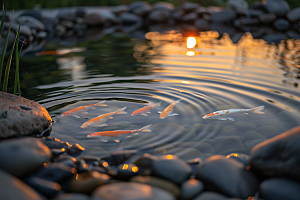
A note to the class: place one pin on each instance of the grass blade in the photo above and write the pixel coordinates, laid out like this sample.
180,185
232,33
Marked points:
2,22
17,77
5,81
4,47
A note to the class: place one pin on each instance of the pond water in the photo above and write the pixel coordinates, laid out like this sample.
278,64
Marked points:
214,75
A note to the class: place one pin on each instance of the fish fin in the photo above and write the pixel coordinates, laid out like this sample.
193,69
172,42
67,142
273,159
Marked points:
101,103
100,125
76,116
258,110
121,111
144,114
135,134
231,119
246,114
104,140
173,114
146,128
158,104
159,112
222,118
148,112
110,117
117,141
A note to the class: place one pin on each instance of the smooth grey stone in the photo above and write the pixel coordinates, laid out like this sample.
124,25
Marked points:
13,188
130,19
41,35
285,116
60,30
161,5
33,13
25,30
120,9
145,160
67,23
249,21
203,147
171,168
277,7
211,196
268,131
278,156
158,16
126,171
267,18
140,8
240,157
255,13
189,17
118,157
276,38
223,175
279,188
294,15
130,191
67,14
54,143
177,13
94,19
244,125
224,16
293,34
72,196
238,5
281,24
20,157
47,188
252,135
230,143
202,24
31,22
157,182
189,6
191,188
251,143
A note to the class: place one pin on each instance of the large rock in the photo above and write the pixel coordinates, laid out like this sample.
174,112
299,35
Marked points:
238,5
32,22
21,117
227,176
278,156
224,16
12,188
141,8
277,7
21,157
294,15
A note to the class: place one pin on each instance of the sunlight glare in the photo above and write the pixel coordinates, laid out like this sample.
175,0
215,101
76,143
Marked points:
191,42
190,53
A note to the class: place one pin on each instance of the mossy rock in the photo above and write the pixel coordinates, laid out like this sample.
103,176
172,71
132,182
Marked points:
252,135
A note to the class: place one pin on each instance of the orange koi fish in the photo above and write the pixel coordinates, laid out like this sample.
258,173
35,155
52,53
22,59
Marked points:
227,114
101,119
144,110
82,109
119,132
168,110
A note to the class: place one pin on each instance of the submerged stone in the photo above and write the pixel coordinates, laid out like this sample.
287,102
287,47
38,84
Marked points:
22,117
277,7
191,188
230,143
278,156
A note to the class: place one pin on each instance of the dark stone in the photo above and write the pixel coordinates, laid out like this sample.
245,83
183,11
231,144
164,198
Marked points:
191,188
279,188
268,131
145,160
140,8
276,38
118,157
278,156
81,166
72,196
281,24
240,157
41,35
158,16
202,24
32,22
249,21
33,13
294,15
25,30
277,7
190,17
172,168
230,143
94,19
293,34
224,16
75,149
13,188
120,9
21,157
223,175
48,188
255,13
68,24
54,143
177,13
241,6
126,171
267,18
67,14
161,5
189,6
130,19
252,135
211,196
130,190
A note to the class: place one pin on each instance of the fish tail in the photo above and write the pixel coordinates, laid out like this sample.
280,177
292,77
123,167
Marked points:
158,104
121,111
179,100
101,103
258,110
146,128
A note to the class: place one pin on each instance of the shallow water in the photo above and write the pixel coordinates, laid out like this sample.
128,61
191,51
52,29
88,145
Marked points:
215,75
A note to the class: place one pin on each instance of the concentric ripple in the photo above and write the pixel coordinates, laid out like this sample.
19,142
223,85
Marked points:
214,75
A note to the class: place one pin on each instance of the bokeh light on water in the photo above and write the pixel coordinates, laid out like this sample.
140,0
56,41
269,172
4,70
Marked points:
216,74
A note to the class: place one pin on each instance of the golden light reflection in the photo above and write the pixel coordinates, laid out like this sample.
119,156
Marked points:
248,167
80,147
74,159
235,155
46,165
73,170
190,53
125,166
63,150
105,164
169,157
135,169
185,82
68,144
191,42
76,177
85,166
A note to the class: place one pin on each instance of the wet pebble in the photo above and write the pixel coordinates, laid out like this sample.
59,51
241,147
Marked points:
244,125
13,188
118,157
158,16
23,156
241,6
267,131
20,116
230,143
223,16
294,15
94,19
191,188
141,8
126,171
240,157
130,19
47,188
203,147
252,135
172,168
208,195
267,18
281,24
159,183
251,143
145,161
161,5
278,156
223,175
72,196
120,9
130,191
32,22
279,188
277,7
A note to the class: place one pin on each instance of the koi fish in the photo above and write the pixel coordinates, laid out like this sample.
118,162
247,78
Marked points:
101,119
168,110
227,114
144,110
119,132
82,109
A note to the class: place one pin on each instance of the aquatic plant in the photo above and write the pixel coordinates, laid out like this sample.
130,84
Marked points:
8,64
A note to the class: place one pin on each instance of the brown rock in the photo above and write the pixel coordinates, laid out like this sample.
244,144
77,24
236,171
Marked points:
22,117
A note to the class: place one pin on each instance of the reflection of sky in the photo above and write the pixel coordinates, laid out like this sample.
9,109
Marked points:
73,65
